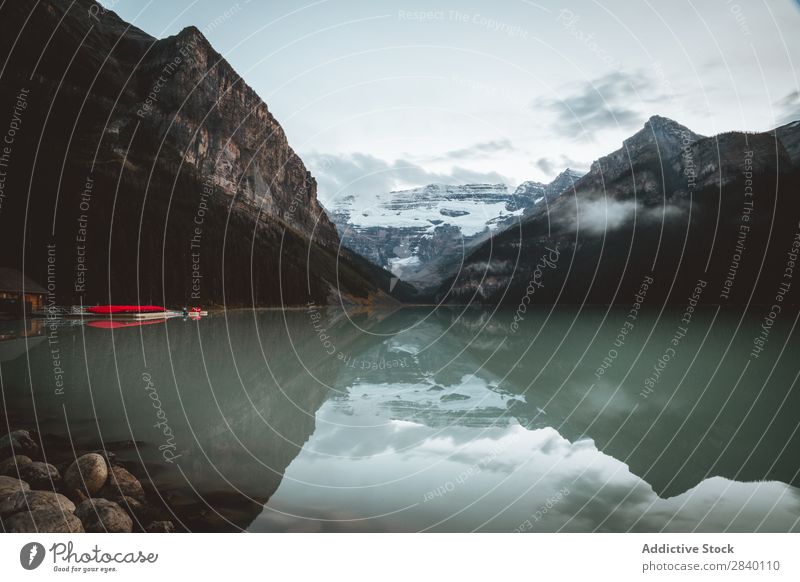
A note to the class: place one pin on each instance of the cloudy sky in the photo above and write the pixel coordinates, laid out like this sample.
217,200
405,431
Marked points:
387,94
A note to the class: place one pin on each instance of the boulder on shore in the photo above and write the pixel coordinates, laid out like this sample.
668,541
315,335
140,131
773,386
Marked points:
43,521
40,475
33,501
101,516
17,442
88,473
11,465
121,483
161,527
11,485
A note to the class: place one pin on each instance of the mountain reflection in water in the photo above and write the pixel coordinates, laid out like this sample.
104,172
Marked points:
447,421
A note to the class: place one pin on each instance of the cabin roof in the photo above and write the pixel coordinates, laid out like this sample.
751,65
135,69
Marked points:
13,281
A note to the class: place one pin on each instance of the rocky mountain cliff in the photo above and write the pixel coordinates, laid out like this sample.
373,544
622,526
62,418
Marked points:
155,172
669,204
422,234
536,195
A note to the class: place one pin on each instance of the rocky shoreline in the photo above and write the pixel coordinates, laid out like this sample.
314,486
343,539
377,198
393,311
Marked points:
76,491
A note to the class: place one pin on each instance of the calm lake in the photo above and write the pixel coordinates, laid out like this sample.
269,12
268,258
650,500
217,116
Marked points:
434,420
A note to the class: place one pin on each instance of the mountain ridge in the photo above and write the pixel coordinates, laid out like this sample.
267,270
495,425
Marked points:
652,207
194,192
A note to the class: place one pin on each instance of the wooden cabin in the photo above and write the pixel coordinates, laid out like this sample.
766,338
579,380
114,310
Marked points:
19,294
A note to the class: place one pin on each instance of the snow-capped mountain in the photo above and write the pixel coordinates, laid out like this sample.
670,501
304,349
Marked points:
413,233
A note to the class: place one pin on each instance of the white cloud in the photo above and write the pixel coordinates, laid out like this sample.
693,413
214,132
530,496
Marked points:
789,108
365,175
603,214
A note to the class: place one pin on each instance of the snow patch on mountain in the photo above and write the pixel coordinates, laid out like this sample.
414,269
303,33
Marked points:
471,208
414,232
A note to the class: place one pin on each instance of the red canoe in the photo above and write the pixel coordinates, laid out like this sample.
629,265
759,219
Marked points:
115,309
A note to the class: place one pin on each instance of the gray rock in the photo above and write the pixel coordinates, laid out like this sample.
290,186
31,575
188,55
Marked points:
18,441
455,397
102,515
141,513
161,527
88,473
10,466
40,475
43,521
34,501
10,485
109,456
122,484
134,507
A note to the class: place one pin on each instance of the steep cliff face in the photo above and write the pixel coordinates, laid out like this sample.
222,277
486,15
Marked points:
156,172
181,90
669,204
226,132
